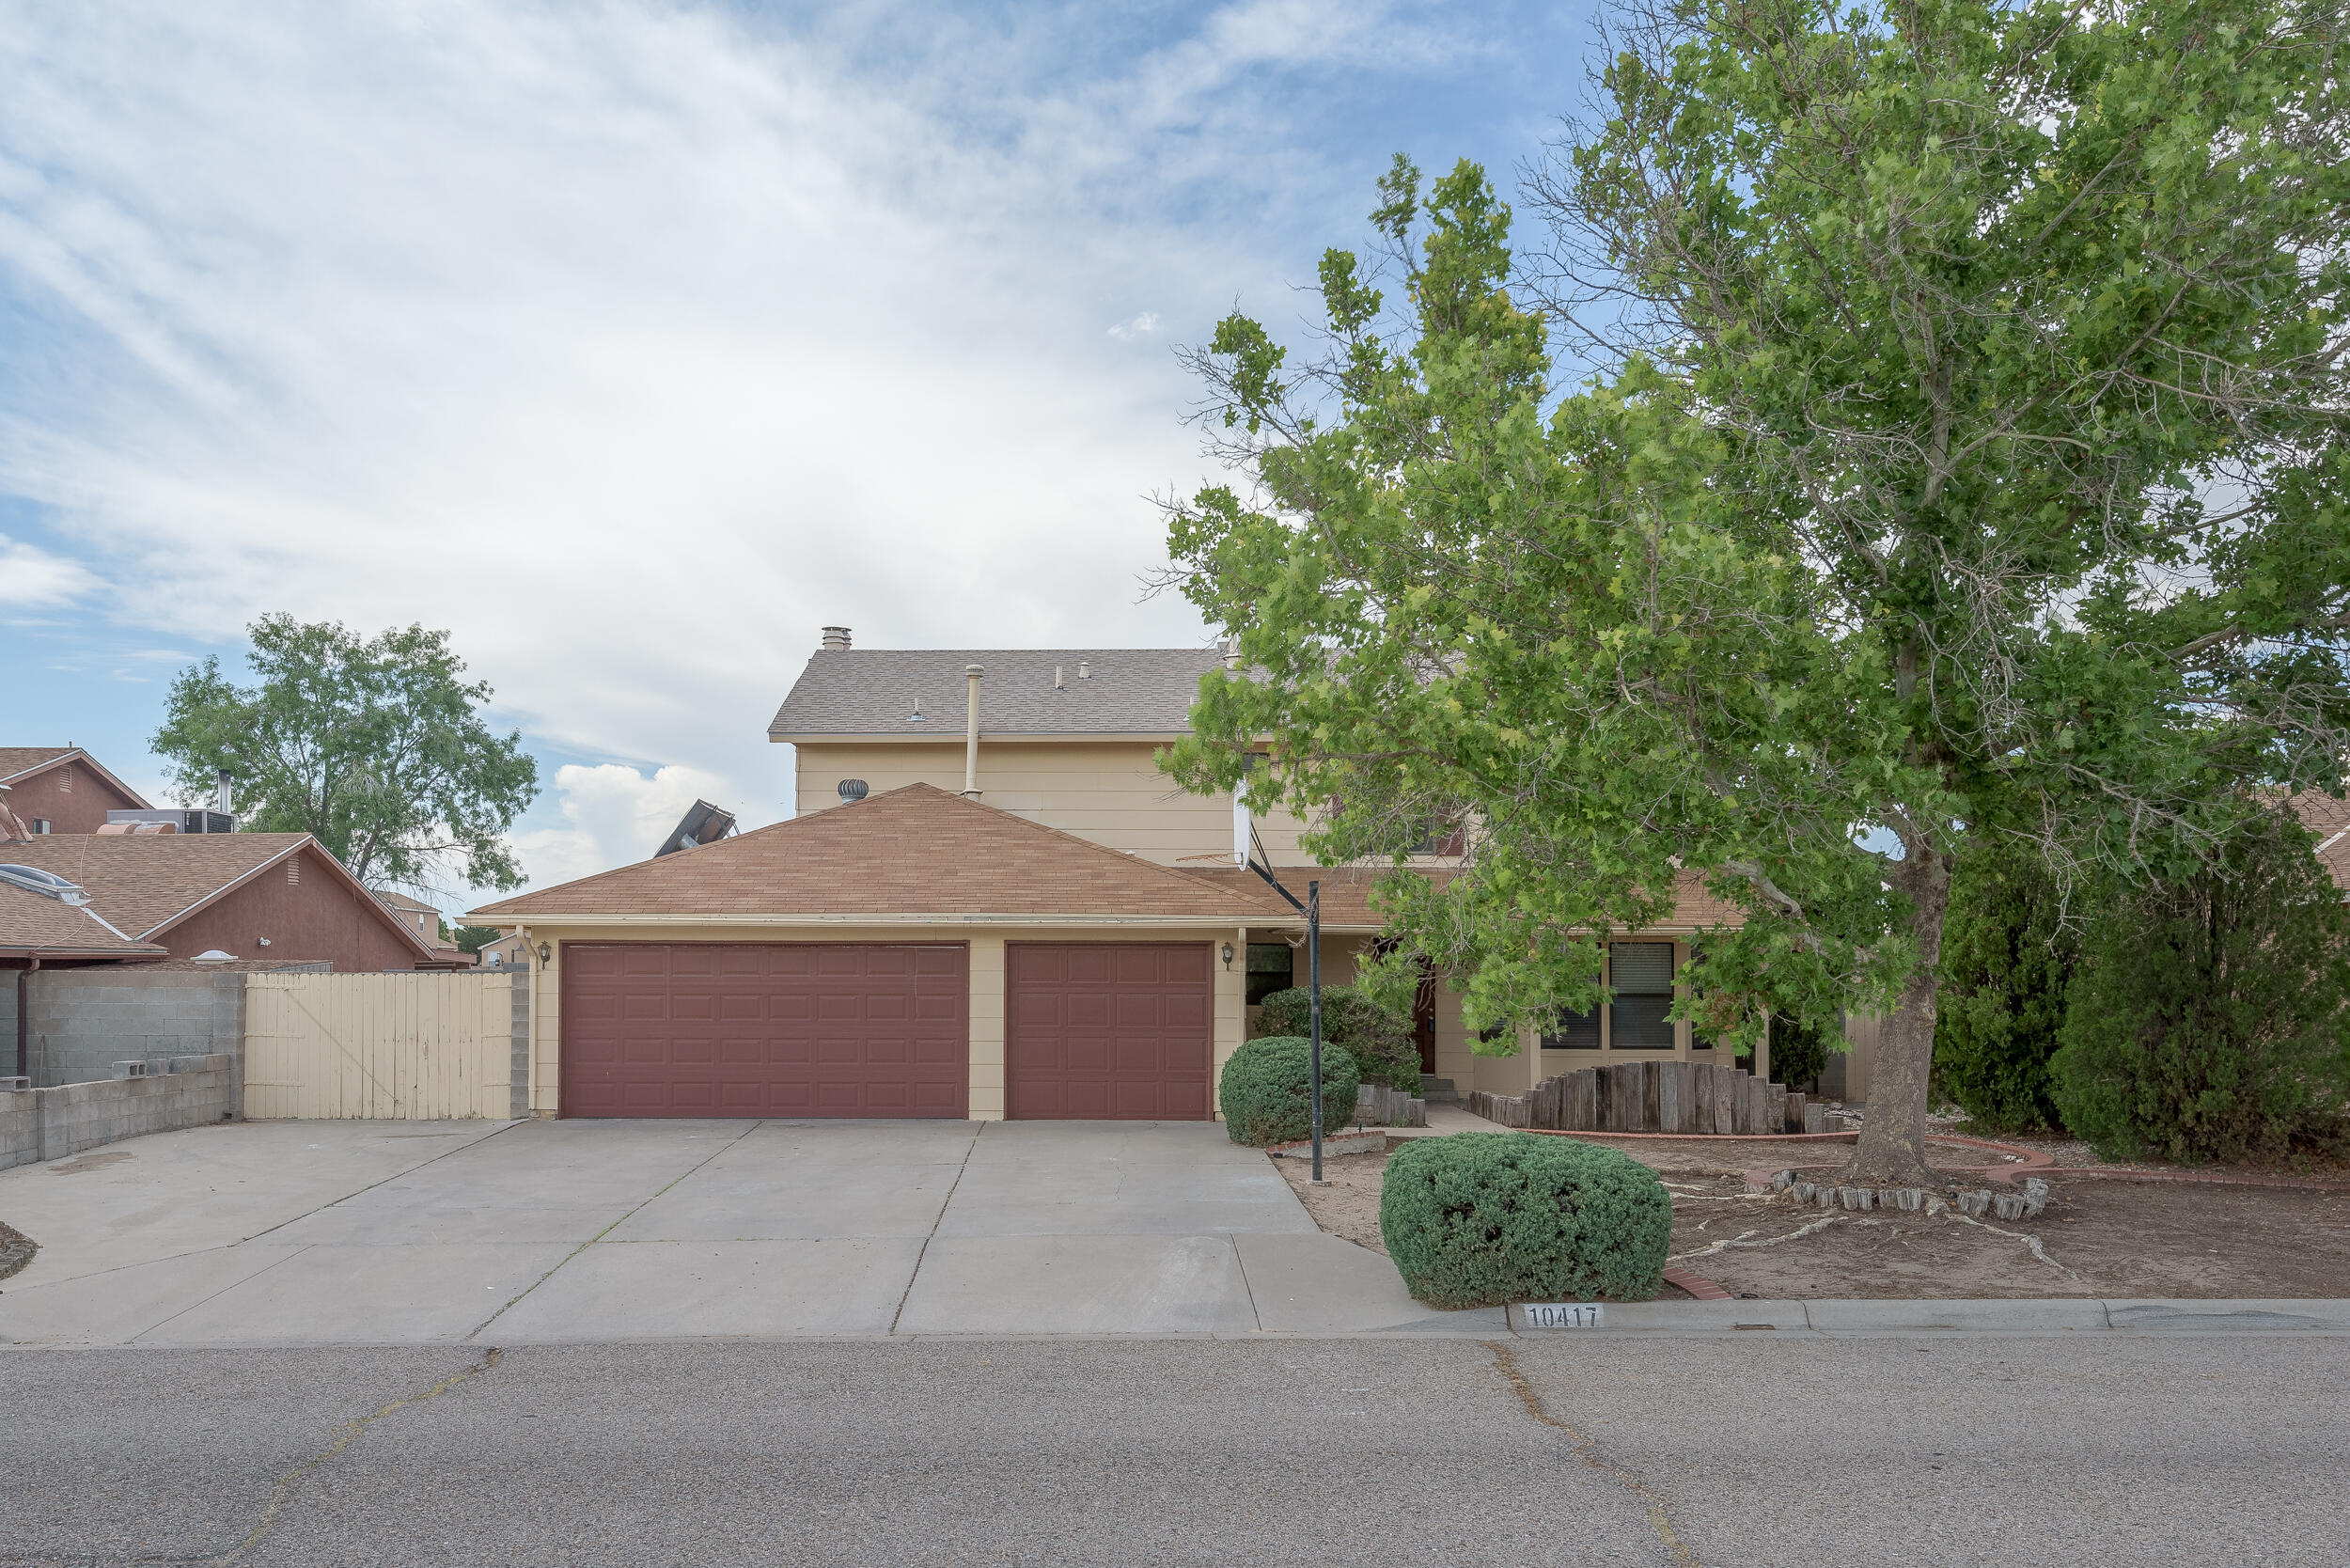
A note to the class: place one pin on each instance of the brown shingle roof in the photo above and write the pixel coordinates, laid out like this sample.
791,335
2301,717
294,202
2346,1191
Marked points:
36,925
871,691
18,760
1346,894
914,851
144,884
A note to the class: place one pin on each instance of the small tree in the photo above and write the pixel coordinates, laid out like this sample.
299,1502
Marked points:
2210,1016
2007,962
372,746
1968,458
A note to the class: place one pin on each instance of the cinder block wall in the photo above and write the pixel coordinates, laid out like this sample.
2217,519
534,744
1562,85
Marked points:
51,1123
84,1021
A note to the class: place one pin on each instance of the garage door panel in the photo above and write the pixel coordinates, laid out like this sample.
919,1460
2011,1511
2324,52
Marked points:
683,1030
1108,1030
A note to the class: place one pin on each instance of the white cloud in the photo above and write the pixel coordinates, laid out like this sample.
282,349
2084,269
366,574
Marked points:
31,578
633,342
615,816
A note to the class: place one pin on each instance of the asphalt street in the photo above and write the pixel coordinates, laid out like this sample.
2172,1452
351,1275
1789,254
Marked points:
1731,1449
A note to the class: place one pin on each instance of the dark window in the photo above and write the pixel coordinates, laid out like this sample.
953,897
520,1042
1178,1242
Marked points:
1271,966
1575,1031
1641,976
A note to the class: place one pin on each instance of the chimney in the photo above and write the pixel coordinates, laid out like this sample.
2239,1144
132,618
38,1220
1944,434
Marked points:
971,673
220,792
837,639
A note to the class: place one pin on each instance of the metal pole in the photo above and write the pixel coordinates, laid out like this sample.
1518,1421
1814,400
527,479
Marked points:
1313,1007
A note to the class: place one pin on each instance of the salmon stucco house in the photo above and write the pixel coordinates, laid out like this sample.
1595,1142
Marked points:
990,903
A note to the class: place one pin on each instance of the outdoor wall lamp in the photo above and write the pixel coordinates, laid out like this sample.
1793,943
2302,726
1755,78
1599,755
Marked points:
546,955
1228,955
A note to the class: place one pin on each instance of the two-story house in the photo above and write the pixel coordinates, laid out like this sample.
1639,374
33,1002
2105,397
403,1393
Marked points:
990,902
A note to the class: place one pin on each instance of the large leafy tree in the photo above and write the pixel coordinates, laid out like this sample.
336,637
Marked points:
1966,465
374,746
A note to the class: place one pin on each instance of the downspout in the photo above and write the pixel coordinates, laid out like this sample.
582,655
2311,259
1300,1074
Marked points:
24,1018
971,674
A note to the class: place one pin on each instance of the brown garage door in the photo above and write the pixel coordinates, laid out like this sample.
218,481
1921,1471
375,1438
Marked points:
1108,1030
765,1029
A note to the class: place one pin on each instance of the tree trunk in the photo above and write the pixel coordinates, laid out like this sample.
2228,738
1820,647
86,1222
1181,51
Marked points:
1892,1152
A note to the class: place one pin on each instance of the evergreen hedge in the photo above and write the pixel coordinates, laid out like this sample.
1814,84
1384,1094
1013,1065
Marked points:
1480,1219
1380,1040
1264,1094
2208,1020
2007,968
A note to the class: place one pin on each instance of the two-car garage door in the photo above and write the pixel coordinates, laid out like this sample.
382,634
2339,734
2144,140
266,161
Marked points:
1104,1030
765,1029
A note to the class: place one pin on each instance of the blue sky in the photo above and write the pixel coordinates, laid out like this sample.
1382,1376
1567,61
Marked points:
634,342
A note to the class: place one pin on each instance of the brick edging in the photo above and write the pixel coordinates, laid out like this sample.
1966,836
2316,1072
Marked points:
1697,1285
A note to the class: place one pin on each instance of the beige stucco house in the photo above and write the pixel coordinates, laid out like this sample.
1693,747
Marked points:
990,903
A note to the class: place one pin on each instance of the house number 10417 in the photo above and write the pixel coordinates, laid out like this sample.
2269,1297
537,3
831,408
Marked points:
1561,1315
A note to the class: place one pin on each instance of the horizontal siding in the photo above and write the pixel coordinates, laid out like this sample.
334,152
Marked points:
1110,793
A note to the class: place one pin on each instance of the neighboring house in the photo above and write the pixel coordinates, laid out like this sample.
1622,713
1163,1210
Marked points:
703,824
425,922
1032,924
61,789
274,897
504,953
2329,819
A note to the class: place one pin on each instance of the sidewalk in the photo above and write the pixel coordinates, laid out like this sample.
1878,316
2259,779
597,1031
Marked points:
2022,1316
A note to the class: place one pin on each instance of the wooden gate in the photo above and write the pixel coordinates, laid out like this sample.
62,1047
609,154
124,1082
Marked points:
408,1047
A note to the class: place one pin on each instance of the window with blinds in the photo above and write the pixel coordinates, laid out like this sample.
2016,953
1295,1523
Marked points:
1641,975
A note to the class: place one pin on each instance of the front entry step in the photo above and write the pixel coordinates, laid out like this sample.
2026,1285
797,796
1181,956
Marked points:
1437,1091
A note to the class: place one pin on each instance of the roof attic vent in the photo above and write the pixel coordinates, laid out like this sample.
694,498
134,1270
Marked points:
1085,669
852,789
837,639
915,716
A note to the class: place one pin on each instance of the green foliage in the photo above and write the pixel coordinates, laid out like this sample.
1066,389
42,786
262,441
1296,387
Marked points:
472,939
1798,1051
1892,509
373,747
2007,964
1265,1096
2208,1019
1378,1038
1480,1219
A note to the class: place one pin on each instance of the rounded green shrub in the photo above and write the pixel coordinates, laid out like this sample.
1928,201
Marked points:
1264,1096
1379,1039
1482,1219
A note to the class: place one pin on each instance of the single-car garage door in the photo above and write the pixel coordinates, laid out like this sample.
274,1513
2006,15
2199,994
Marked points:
765,1029
1108,1030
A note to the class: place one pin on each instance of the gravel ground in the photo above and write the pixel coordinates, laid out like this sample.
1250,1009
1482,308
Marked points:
1576,1449
2099,1237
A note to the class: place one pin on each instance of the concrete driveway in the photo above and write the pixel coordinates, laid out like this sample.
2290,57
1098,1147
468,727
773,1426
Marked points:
345,1232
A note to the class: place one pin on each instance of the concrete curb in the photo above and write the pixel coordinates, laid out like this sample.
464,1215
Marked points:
2039,1315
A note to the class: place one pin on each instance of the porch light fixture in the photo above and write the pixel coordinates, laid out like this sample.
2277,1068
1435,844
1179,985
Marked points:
1228,955
546,955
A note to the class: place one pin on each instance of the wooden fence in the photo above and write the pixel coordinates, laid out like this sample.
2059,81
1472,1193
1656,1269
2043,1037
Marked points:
1653,1096
414,1047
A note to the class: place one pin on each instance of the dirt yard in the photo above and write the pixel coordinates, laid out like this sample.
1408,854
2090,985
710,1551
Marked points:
2099,1237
